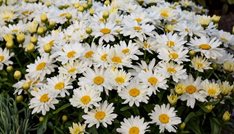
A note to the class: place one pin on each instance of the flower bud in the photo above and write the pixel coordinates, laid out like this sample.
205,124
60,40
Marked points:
33,39
81,8
91,11
172,99
47,48
215,18
226,116
105,14
64,118
180,88
182,125
19,98
26,86
9,69
41,119
20,37
10,44
41,30
8,37
192,53
228,66
52,24
32,27
107,2
209,108
30,47
88,30
43,17
17,75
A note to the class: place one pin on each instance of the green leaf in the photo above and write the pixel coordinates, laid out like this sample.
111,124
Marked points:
43,126
230,2
124,108
190,115
215,126
61,108
193,125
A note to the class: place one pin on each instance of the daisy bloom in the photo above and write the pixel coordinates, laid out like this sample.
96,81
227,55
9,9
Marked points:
5,55
165,117
212,89
100,115
42,101
133,125
134,93
59,85
193,91
200,64
85,98
77,128
208,47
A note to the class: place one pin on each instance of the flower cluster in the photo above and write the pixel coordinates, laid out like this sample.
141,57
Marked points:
102,58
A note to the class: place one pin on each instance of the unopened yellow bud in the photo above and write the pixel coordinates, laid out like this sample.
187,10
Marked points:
64,118
228,66
41,30
52,24
76,5
17,75
233,30
105,14
91,11
140,2
172,99
182,125
9,69
226,116
19,98
215,18
26,86
85,5
107,2
20,37
32,27
209,108
88,30
192,53
169,28
44,17
33,39
10,44
47,48
180,88
81,8
30,47
8,37
41,119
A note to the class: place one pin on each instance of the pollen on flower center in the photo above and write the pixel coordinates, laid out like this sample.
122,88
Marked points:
85,99
89,54
171,70
71,54
125,51
104,57
72,70
1,58
173,55
190,89
100,115
40,66
153,80
199,65
98,80
105,30
204,46
59,86
164,13
134,92
116,59
138,20
164,118
212,91
119,80
44,98
134,130
170,43
137,28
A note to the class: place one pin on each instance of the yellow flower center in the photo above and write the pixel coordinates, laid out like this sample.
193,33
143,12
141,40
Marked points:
119,80
44,98
164,118
199,65
100,115
137,28
126,51
134,130
2,58
71,54
98,80
89,54
205,46
138,20
171,70
173,55
170,43
104,57
105,30
72,70
116,59
212,91
190,89
40,66
164,13
146,44
153,80
59,86
85,99
134,92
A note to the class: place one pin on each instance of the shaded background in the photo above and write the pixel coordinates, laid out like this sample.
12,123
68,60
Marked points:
223,8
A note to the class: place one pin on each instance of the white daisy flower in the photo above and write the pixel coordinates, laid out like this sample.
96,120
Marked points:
225,37
208,47
212,89
165,117
134,93
77,128
5,56
100,115
200,64
153,80
42,101
143,66
43,65
148,44
133,125
118,59
171,69
193,91
189,28
69,52
97,77
101,55
59,85
85,98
